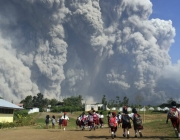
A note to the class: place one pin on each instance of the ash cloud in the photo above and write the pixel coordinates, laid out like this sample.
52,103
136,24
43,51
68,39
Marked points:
91,48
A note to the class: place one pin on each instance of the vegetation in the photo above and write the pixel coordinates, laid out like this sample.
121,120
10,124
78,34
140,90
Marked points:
21,118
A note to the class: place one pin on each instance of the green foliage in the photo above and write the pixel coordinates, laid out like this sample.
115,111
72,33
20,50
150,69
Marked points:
7,125
22,118
27,102
53,102
73,101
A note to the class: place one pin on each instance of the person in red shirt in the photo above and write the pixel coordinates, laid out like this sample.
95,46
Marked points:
173,114
113,124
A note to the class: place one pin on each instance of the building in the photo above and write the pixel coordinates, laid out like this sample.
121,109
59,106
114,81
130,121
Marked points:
32,110
7,110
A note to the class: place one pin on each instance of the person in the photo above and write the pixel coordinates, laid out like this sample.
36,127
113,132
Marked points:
53,122
47,121
60,122
126,124
78,122
65,118
113,124
137,122
83,119
108,117
101,120
90,120
119,119
95,120
173,115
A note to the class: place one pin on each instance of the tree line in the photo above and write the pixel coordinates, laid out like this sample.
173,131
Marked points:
42,103
74,103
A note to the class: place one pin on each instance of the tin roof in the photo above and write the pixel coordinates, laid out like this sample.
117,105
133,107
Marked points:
6,104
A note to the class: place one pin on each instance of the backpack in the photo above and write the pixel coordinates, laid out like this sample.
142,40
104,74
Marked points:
95,117
137,119
112,122
125,119
173,113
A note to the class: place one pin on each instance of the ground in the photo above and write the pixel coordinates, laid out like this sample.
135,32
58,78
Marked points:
30,133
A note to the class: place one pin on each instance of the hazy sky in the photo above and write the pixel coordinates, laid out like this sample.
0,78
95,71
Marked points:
169,10
92,48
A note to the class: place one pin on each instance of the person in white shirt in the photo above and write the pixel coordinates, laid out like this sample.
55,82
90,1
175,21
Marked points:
65,118
101,120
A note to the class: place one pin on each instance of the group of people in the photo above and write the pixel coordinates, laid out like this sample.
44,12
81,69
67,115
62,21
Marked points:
114,120
62,121
124,119
92,120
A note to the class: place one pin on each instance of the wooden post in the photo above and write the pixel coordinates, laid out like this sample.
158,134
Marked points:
144,115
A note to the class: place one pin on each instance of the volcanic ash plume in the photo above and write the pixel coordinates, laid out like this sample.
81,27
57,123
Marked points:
86,47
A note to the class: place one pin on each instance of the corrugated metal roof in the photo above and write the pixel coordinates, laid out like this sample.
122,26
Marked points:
6,104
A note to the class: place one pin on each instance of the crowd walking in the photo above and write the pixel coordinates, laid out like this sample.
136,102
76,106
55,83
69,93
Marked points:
124,121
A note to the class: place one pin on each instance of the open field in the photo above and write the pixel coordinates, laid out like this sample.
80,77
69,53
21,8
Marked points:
154,128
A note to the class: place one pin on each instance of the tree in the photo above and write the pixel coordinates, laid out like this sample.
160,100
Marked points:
73,101
170,100
27,102
53,102
125,101
104,102
38,101
139,98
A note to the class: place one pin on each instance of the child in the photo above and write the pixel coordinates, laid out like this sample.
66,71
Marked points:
119,119
60,122
83,119
95,120
108,117
137,122
78,122
126,124
90,120
53,121
113,124
47,121
173,115
101,120
65,119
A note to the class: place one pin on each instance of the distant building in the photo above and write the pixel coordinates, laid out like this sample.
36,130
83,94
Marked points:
32,110
95,107
151,108
7,110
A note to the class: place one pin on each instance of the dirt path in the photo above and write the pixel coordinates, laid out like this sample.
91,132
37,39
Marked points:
28,133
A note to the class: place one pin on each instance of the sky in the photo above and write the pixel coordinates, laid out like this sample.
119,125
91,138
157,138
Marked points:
169,10
91,48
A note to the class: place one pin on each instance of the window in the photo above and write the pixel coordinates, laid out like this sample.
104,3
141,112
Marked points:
6,111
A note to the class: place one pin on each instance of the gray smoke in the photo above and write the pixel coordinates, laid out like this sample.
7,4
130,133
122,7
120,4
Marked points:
91,48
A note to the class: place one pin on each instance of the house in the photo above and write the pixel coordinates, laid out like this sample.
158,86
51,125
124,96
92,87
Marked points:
7,110
89,107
